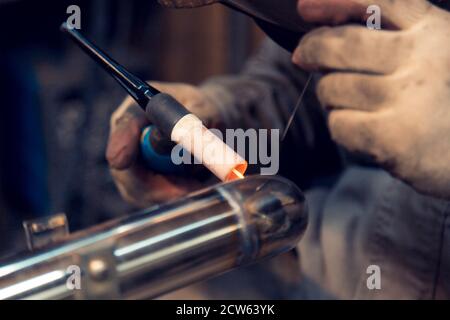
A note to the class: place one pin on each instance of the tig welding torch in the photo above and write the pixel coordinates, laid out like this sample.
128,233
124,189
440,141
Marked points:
171,122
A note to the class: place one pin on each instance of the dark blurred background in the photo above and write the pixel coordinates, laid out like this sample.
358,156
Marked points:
56,103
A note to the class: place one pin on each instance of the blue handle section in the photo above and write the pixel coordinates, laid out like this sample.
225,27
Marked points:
155,161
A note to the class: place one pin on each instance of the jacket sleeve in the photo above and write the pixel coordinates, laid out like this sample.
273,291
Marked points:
263,96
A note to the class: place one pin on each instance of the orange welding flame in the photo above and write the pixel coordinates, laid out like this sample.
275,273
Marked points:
237,174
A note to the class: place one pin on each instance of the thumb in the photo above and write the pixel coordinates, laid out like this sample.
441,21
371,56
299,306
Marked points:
127,123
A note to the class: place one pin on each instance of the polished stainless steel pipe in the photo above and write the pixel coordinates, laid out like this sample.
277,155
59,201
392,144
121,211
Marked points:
165,247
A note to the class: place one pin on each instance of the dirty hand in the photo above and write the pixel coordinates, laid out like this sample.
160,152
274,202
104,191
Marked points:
136,183
388,92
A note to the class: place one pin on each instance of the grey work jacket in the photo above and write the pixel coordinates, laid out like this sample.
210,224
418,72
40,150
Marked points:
361,218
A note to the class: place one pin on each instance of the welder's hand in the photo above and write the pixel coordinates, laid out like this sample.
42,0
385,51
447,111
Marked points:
388,92
136,183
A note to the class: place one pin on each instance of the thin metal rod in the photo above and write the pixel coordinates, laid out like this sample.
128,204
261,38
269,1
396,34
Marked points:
138,89
294,112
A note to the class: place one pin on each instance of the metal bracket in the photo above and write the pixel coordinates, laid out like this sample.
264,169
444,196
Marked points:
44,231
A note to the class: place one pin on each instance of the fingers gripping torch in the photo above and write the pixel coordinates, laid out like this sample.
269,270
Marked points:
172,122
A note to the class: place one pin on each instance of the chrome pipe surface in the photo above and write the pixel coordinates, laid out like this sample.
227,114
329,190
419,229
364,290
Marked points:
165,247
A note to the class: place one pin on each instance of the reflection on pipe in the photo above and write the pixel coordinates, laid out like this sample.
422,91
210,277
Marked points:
165,236
31,284
165,247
